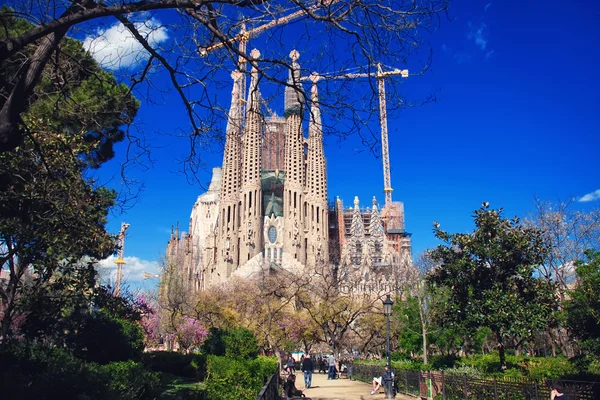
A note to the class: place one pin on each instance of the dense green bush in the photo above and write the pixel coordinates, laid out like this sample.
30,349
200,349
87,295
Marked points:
233,342
237,379
185,365
547,367
128,380
103,338
443,362
39,372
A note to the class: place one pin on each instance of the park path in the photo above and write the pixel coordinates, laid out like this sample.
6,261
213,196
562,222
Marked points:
341,389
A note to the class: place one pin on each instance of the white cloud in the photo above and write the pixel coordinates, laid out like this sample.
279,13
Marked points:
479,35
133,269
595,195
487,6
116,47
489,54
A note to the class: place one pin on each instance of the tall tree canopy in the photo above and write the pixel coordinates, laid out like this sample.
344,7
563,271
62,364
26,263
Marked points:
583,308
51,214
490,278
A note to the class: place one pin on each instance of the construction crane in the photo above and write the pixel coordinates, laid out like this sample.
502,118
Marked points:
244,35
120,261
380,75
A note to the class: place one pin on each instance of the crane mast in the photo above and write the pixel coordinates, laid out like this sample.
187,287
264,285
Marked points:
380,75
244,35
120,261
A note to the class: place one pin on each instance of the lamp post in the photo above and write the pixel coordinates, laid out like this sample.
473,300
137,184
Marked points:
388,376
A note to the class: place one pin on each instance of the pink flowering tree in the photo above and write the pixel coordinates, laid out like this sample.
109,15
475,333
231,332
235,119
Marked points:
190,333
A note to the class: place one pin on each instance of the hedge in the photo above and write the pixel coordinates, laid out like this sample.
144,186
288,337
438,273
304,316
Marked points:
237,379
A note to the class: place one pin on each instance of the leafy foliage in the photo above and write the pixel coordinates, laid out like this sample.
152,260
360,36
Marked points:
237,378
51,214
583,309
489,277
88,321
235,343
185,365
40,372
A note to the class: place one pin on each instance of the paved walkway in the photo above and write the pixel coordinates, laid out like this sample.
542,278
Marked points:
341,389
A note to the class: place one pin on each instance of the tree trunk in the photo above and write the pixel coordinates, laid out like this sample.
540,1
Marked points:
17,102
501,352
424,333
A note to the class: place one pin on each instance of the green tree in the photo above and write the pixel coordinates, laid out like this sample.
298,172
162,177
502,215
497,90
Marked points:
235,342
74,313
583,308
490,279
51,213
410,339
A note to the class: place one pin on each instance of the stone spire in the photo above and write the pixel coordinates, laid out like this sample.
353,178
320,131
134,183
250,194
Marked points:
251,193
230,183
357,235
316,184
294,205
377,236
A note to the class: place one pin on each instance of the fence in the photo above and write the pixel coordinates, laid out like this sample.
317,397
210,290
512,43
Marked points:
271,389
441,386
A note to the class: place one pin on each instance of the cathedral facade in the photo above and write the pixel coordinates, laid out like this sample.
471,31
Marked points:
267,206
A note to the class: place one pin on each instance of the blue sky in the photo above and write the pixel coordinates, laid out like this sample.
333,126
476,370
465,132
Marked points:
517,115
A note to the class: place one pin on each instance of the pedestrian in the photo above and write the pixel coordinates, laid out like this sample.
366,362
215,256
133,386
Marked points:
331,372
556,392
289,365
307,369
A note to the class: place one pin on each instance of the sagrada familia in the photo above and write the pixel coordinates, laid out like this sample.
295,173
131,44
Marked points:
267,207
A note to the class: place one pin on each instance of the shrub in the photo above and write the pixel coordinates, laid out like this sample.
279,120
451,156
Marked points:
443,362
185,365
465,370
237,379
103,338
128,380
234,343
547,367
39,372
30,372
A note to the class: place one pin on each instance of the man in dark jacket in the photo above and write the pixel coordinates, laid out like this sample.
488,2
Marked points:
307,368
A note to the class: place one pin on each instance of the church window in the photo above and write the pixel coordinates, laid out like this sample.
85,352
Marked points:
272,234
318,215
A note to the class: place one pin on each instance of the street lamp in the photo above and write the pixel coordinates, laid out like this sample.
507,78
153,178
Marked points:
388,376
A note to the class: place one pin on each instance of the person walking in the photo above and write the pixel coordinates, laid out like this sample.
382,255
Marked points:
331,371
307,369
289,365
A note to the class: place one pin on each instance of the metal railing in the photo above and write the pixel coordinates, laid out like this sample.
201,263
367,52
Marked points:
441,386
271,389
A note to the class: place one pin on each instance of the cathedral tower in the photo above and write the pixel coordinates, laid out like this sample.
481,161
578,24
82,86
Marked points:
315,192
229,218
250,233
295,208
